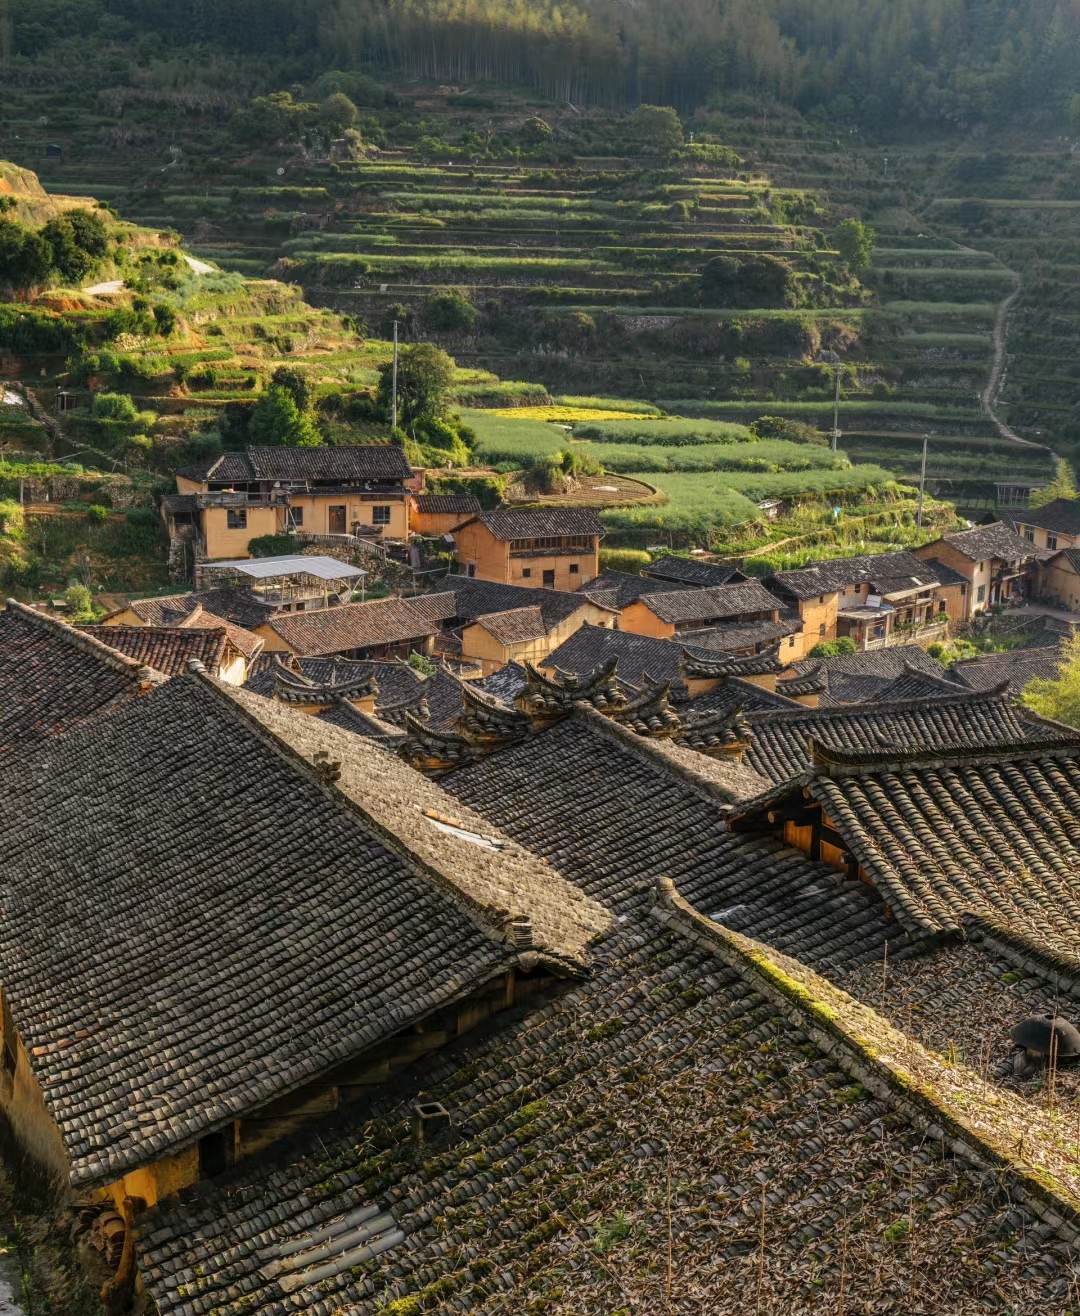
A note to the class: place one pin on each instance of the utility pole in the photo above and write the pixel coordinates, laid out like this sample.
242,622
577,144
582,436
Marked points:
836,413
393,412
922,480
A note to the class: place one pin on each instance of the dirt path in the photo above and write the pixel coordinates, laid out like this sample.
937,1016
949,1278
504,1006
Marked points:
997,370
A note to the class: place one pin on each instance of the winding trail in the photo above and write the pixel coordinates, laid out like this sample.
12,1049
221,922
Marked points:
997,370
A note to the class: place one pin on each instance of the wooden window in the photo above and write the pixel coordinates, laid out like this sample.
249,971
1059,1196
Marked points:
526,573
1051,540
380,515
297,514
574,569
236,518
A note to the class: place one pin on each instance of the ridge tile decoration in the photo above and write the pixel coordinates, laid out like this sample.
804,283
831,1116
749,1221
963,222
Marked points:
345,462
963,840
662,1103
54,677
259,912
394,680
782,740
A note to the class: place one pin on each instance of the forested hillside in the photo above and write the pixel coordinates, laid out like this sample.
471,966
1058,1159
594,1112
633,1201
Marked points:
875,63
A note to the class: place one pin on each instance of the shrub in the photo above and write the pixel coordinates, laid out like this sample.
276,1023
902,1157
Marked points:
834,648
784,427
631,560
114,406
419,663
271,545
96,514
80,602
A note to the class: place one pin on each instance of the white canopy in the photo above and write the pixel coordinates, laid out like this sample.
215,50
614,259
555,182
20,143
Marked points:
267,568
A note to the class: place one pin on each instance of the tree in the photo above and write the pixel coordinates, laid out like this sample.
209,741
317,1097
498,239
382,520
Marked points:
425,376
855,243
278,422
450,311
67,257
757,281
1058,697
298,384
1061,486
656,129
535,132
90,233
337,112
164,319
115,406
25,257
80,603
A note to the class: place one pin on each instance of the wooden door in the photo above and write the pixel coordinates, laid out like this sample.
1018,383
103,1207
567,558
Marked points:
337,520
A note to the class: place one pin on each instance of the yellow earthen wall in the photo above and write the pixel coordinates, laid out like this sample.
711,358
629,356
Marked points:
1061,584
586,562
640,620
477,547
221,542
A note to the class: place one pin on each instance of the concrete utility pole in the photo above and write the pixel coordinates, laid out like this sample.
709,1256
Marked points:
922,480
836,413
393,412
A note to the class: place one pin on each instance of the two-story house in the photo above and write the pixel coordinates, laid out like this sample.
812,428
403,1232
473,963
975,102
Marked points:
874,599
994,560
354,489
538,547
1055,526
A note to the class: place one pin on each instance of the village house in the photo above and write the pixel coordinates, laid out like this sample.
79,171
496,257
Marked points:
993,559
1054,526
1057,579
875,600
317,493
438,515
379,628
329,918
208,607
685,611
223,650
494,624
537,547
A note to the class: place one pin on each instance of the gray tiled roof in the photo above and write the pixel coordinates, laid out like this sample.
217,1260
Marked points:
564,1125
705,604
943,718
396,680
855,678
1061,516
638,656
344,463
613,816
351,626
508,523
53,677
515,626
828,576
451,504
618,589
239,947
168,649
690,571
506,683
992,541
986,834
1017,666
239,606
467,599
